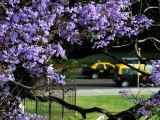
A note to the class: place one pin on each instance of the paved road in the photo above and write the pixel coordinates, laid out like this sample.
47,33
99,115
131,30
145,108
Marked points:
83,83
106,87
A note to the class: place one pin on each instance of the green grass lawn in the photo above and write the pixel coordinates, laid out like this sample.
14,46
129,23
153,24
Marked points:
112,103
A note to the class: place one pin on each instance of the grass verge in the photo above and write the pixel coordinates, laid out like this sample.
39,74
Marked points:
111,103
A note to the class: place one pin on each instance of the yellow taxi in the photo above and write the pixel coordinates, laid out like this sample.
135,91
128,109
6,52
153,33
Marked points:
99,70
125,76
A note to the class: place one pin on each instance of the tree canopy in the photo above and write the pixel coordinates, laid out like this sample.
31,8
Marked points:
33,32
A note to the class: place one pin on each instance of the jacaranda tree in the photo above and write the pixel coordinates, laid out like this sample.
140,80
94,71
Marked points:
34,31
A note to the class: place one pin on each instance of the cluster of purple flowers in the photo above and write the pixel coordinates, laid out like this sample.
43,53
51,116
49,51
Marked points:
17,115
103,22
124,93
155,75
149,106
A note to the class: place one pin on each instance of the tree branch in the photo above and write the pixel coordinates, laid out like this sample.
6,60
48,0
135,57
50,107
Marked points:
159,6
137,107
119,46
149,38
81,110
151,7
22,85
138,52
124,115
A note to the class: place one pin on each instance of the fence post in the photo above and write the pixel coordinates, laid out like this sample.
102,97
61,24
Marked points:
62,105
49,90
36,107
75,98
49,110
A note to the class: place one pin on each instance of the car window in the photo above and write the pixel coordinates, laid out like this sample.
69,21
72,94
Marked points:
129,72
108,66
100,66
132,61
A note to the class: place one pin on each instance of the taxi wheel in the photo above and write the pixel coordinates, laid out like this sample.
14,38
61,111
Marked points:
94,76
125,84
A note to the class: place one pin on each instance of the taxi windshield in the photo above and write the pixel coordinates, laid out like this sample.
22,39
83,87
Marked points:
129,72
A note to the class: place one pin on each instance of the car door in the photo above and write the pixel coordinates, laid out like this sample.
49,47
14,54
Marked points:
109,69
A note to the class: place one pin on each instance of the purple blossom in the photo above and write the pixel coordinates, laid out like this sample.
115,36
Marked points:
155,73
16,18
70,26
76,40
59,50
124,92
50,50
9,13
59,9
62,33
82,22
13,2
14,36
144,112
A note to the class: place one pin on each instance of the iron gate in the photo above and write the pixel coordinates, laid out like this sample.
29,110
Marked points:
50,109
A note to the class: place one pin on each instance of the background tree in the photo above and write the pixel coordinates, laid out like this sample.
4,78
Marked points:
33,32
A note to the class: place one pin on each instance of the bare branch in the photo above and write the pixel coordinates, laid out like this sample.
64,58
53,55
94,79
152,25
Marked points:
137,49
156,45
149,38
153,39
123,45
22,85
119,46
151,7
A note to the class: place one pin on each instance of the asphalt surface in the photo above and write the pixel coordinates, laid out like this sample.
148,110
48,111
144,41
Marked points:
90,87
86,83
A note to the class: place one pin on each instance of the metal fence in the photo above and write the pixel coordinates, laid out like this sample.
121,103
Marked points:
50,109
